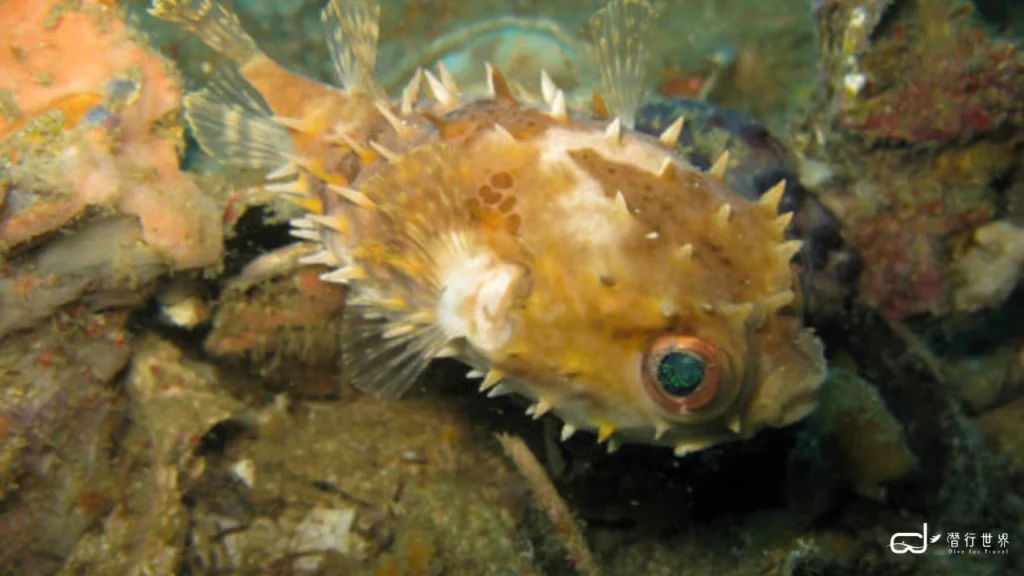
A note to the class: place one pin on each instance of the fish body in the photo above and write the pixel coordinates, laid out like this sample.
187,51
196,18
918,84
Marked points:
567,258
830,265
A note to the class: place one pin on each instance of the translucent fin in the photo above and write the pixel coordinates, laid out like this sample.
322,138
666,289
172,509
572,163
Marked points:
234,135
383,358
352,28
619,31
391,328
227,85
212,23
432,177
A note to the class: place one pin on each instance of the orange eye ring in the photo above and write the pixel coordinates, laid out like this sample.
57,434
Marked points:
682,373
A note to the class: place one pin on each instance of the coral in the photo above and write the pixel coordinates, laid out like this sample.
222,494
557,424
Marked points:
174,402
984,381
279,318
844,32
58,413
905,217
991,267
902,275
933,74
921,119
857,430
908,269
104,264
1003,427
70,462
91,119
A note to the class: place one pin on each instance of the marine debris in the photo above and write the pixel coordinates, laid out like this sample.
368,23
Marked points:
547,499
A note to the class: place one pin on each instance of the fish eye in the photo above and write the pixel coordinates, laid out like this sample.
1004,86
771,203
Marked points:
682,373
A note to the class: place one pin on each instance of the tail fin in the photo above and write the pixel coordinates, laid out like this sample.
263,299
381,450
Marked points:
352,28
619,31
212,23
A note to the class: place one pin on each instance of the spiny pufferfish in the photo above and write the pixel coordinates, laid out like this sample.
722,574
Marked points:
564,256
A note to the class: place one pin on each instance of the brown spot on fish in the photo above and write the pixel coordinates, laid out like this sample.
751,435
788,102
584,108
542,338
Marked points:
502,180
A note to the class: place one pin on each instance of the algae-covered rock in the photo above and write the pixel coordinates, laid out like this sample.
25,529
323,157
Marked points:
856,429
1004,429
991,268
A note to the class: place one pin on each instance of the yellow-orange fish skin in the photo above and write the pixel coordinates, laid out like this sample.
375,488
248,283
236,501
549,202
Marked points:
614,254
579,264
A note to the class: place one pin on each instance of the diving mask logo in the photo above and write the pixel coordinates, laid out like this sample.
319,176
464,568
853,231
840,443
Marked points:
913,542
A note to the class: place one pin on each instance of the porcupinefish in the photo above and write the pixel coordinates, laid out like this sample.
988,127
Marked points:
564,256
829,264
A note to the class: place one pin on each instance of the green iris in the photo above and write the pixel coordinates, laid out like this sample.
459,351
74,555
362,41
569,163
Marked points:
680,373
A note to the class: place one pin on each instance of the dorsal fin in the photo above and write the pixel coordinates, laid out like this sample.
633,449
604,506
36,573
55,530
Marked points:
284,91
352,28
214,24
600,109
619,31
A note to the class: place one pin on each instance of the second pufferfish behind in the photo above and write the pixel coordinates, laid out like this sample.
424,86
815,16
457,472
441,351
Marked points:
566,257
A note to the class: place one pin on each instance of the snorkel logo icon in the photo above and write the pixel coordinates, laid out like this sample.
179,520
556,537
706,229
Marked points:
903,542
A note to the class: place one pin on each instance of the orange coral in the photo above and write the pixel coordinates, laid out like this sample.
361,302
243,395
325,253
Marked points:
85,63
62,60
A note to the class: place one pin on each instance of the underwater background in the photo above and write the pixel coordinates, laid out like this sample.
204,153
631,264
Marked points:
170,398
